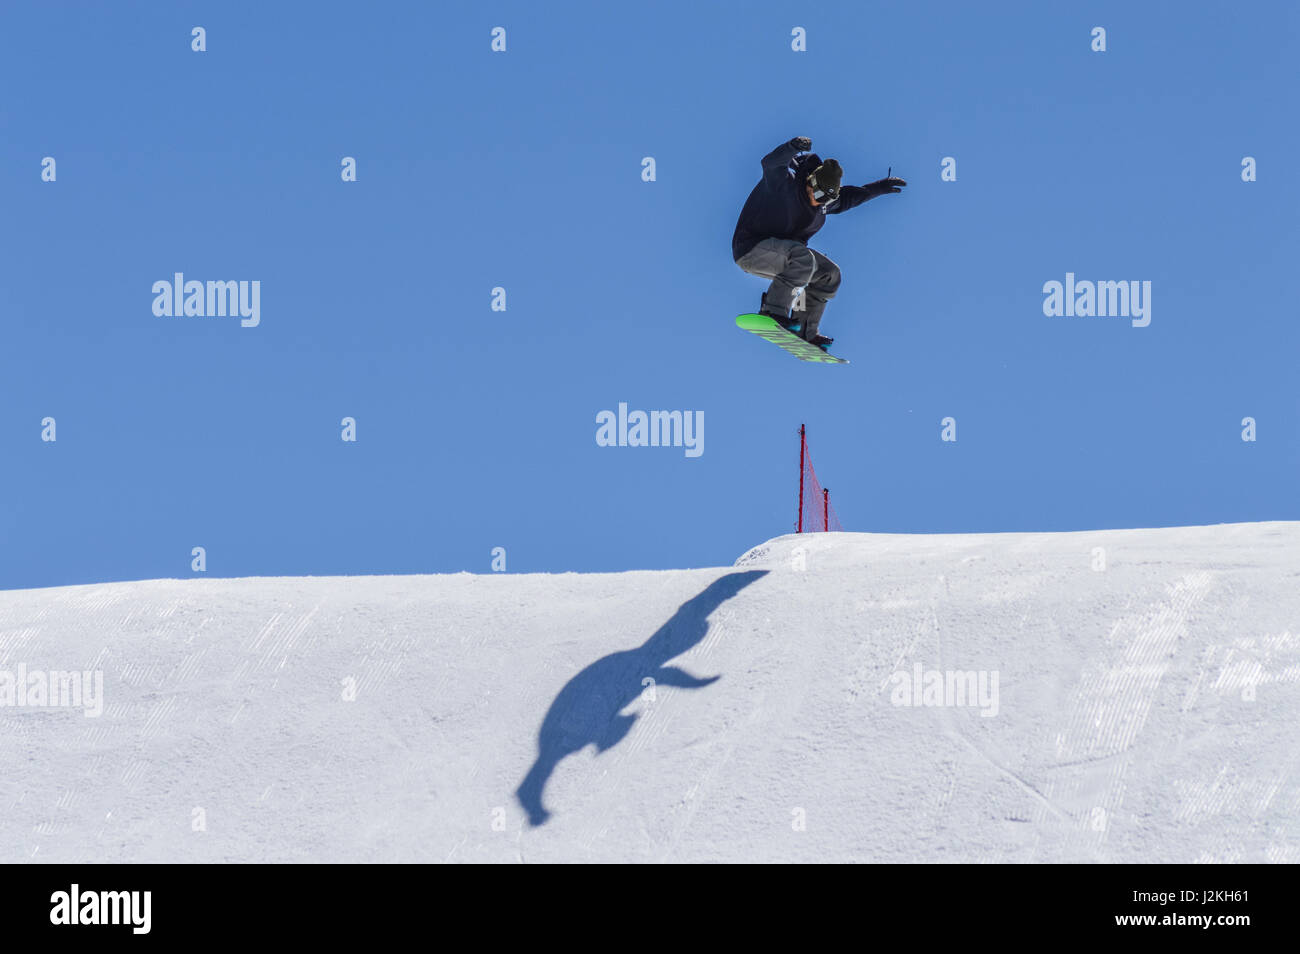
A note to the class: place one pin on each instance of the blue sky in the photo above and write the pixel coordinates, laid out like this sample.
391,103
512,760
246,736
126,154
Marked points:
522,169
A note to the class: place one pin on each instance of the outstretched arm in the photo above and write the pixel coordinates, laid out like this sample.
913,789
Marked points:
672,676
856,195
775,162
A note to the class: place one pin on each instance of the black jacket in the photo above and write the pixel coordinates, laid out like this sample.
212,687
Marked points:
778,207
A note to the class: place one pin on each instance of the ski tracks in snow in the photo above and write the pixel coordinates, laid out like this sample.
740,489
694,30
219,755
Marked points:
1110,707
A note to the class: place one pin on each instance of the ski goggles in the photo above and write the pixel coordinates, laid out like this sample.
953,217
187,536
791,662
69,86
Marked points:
819,193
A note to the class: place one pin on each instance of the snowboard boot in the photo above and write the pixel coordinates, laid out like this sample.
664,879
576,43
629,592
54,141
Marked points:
822,342
783,319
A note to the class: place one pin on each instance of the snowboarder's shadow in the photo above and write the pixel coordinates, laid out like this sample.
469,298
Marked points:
586,711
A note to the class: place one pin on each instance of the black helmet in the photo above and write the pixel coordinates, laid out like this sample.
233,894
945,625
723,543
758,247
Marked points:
825,181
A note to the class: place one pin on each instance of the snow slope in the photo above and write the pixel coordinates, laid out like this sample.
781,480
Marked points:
1145,711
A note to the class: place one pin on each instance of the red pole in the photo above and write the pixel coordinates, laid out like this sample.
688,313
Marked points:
826,509
801,455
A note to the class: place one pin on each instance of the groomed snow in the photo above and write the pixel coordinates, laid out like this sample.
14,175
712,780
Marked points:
1147,711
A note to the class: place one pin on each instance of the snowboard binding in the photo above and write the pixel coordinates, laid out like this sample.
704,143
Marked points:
784,319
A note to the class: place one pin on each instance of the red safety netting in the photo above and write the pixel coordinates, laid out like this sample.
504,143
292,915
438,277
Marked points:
815,510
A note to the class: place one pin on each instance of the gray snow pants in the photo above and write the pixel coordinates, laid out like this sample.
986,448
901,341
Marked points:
792,265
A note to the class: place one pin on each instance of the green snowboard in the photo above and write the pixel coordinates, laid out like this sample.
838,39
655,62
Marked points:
766,327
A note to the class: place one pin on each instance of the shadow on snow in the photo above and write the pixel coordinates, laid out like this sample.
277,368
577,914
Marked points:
586,711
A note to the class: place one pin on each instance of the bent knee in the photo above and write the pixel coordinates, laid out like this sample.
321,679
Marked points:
829,278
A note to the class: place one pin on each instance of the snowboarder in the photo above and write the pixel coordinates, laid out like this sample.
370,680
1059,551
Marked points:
783,211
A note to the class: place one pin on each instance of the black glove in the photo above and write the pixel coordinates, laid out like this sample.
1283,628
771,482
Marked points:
801,143
882,186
